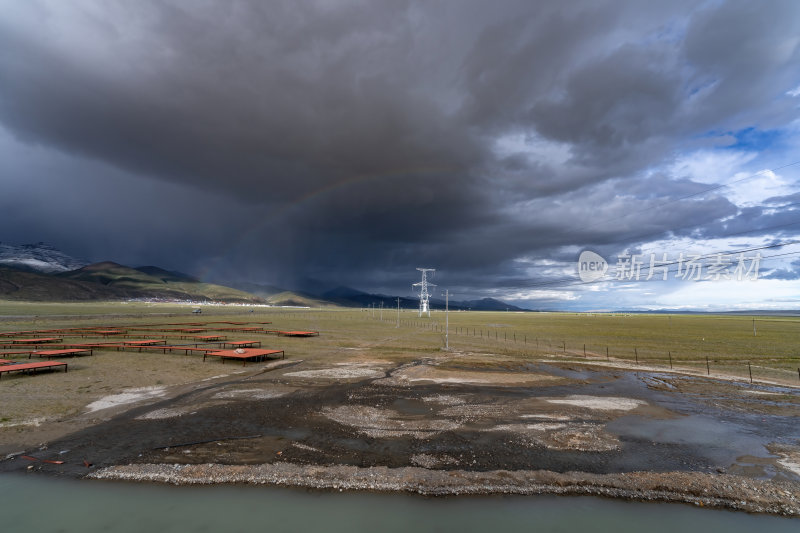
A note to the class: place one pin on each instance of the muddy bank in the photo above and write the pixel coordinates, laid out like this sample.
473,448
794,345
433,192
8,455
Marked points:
720,491
448,424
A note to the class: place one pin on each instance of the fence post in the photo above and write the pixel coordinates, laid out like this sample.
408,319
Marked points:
670,360
751,371
607,359
584,350
708,367
636,355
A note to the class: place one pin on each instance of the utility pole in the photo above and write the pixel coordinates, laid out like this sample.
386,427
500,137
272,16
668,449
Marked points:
754,326
398,313
446,319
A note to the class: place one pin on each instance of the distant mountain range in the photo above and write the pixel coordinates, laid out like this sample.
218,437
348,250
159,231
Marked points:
40,272
348,297
111,281
39,257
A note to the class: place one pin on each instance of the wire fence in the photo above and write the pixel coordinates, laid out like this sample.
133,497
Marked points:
747,367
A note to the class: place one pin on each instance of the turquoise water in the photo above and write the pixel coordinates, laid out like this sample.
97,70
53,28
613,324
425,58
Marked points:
35,504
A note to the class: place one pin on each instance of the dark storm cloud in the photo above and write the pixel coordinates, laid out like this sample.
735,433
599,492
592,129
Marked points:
245,97
359,139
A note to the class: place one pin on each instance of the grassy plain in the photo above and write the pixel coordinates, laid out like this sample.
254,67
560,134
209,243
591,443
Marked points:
635,341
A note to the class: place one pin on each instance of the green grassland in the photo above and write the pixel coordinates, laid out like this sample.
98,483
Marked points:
725,343
488,340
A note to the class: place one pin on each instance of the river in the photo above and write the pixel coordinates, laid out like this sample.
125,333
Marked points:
37,504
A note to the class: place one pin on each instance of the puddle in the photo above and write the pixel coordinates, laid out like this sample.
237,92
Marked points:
570,373
719,441
432,374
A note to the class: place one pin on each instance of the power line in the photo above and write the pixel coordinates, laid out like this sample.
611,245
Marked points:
572,281
735,234
704,191
765,228
709,189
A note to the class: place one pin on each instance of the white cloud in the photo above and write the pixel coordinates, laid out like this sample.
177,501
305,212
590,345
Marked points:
724,295
731,167
707,166
533,147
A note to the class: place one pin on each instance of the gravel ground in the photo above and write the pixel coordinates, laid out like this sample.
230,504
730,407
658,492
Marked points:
721,491
440,426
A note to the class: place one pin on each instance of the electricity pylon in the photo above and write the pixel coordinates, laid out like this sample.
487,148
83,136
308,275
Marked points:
424,295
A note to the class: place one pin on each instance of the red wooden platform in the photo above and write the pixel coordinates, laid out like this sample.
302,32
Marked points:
142,344
147,342
244,354
299,333
242,344
105,332
37,340
69,352
167,348
209,338
31,367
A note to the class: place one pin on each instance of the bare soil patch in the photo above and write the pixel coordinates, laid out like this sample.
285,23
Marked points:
375,416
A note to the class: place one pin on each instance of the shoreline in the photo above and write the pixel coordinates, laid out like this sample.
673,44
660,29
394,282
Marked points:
721,491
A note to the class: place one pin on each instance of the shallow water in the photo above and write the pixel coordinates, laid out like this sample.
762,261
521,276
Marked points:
29,503
717,441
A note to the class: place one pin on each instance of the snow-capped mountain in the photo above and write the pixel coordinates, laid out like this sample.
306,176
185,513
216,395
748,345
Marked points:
39,257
